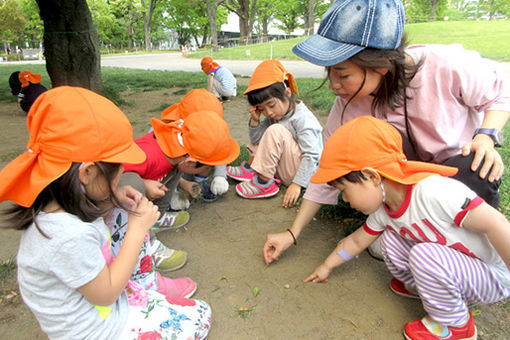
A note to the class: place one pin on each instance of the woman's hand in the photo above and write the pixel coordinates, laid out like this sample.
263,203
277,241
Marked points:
291,195
320,274
275,245
154,189
483,147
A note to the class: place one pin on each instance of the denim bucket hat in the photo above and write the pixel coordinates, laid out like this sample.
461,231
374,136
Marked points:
349,26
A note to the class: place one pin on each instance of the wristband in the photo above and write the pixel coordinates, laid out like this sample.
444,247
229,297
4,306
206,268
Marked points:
293,237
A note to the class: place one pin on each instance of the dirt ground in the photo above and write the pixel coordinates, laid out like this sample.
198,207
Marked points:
224,241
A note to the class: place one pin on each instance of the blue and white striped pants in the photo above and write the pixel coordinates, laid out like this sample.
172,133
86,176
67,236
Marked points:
446,279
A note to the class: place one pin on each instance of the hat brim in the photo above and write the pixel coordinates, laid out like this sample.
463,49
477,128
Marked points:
167,138
325,52
327,175
132,155
229,154
171,113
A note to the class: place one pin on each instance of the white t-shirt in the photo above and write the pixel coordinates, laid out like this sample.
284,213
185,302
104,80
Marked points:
51,269
434,211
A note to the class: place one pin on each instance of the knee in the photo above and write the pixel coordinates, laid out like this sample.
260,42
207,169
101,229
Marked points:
422,252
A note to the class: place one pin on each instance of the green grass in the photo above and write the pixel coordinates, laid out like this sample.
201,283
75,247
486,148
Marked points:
490,38
7,267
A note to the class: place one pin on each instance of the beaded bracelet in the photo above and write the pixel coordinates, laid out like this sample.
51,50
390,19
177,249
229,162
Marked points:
293,237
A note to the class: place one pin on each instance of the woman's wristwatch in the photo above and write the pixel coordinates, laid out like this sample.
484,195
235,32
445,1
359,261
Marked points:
495,134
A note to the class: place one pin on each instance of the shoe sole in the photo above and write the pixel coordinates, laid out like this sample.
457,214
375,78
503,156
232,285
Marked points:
411,296
190,294
474,337
158,229
258,196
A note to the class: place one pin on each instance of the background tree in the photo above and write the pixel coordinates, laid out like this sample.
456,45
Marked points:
288,13
147,11
265,14
425,10
212,8
71,44
493,7
33,29
12,23
128,14
245,10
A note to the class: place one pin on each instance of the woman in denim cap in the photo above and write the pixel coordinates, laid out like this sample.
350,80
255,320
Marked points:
449,104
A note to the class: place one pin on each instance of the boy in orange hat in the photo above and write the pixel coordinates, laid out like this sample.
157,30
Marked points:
286,144
27,87
62,186
220,80
441,242
197,100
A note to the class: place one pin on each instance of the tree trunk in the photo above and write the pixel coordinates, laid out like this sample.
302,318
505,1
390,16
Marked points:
212,5
147,23
70,44
432,16
311,17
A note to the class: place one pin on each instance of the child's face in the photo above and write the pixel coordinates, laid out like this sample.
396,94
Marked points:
365,196
97,189
193,167
273,108
346,78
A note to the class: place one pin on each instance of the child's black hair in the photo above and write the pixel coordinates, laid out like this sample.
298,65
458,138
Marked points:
353,177
14,83
68,192
276,90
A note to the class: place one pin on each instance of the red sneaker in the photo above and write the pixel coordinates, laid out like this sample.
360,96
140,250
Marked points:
254,189
427,329
241,172
400,288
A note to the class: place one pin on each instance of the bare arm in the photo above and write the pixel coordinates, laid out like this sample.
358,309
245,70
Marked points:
106,288
486,219
353,245
210,82
276,244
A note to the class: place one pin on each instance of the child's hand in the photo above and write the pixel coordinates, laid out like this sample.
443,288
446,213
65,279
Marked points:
128,196
255,114
144,216
154,189
291,195
320,274
219,185
275,245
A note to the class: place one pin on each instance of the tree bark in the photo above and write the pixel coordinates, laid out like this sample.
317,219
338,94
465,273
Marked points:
147,23
311,17
212,6
71,44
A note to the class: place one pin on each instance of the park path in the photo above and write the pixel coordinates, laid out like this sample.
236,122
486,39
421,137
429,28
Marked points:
176,62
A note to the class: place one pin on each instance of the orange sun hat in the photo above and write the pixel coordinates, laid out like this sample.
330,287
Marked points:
203,135
195,100
270,72
66,125
27,77
370,142
208,64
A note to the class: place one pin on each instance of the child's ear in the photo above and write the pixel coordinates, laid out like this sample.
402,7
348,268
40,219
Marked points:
371,175
87,172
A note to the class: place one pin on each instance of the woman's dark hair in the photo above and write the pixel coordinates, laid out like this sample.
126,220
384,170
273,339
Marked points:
68,192
392,89
353,177
14,83
276,90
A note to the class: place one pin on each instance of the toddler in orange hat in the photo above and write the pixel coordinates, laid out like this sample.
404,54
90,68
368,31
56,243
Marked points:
62,186
27,87
286,144
220,81
441,242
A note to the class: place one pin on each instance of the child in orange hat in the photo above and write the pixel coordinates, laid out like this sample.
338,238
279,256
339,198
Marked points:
442,243
286,144
220,81
63,185
27,87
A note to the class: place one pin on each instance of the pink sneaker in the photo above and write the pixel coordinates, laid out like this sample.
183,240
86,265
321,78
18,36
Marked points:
240,173
183,287
254,189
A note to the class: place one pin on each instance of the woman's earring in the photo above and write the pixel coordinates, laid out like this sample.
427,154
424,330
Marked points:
383,193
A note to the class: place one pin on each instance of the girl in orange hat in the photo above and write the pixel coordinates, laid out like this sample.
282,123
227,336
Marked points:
62,186
286,144
442,242
220,80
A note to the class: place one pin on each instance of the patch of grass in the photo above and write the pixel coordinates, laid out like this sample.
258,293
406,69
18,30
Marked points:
7,267
490,38
243,312
244,155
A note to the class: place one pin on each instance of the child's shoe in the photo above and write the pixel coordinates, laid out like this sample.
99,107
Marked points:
254,189
206,192
171,220
166,259
426,329
183,287
400,288
243,172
